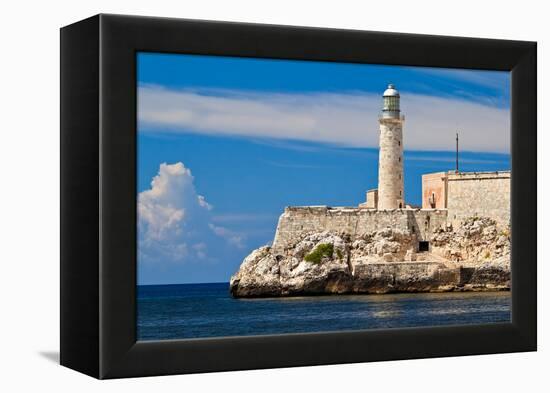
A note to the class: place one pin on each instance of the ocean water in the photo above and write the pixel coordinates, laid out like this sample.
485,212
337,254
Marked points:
207,310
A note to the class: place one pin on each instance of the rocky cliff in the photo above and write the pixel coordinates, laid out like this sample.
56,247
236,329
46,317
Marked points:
475,256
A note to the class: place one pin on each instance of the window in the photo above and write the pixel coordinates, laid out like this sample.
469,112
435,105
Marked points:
423,246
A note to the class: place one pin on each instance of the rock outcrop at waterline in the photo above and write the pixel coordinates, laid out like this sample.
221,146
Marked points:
475,256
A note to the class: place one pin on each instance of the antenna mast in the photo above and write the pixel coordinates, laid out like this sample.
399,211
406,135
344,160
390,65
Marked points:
456,169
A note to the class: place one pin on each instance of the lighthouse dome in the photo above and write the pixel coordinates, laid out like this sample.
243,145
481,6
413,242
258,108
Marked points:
391,91
390,108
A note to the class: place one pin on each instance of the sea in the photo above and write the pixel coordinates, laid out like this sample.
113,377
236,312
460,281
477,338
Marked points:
186,311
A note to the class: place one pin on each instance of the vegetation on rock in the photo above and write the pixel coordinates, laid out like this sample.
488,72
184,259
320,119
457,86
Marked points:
321,251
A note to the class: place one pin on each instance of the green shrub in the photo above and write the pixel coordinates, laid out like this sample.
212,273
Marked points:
322,250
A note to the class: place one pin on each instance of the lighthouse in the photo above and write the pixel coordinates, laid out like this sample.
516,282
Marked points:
391,193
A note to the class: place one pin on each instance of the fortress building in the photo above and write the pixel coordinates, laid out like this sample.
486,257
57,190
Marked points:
459,239
468,194
448,198
456,195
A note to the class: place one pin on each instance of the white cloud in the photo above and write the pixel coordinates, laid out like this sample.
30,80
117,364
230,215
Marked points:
161,208
244,217
486,78
174,221
347,119
232,237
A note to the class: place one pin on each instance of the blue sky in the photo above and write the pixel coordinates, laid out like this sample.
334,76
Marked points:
230,142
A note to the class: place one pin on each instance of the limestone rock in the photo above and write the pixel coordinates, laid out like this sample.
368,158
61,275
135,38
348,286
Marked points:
473,256
410,256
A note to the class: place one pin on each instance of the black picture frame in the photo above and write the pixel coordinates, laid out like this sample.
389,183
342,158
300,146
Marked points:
98,196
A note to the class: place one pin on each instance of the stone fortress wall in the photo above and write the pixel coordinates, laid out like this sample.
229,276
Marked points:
448,197
467,194
297,222
483,194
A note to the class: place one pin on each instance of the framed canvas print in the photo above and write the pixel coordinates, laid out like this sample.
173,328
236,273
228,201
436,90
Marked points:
296,196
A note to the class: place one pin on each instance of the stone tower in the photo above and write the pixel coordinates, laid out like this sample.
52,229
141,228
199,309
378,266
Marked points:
391,193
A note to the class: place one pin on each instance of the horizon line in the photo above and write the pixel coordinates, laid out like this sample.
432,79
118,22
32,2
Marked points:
184,283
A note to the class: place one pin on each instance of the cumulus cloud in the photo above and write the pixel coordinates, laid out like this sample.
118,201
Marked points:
174,221
345,119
